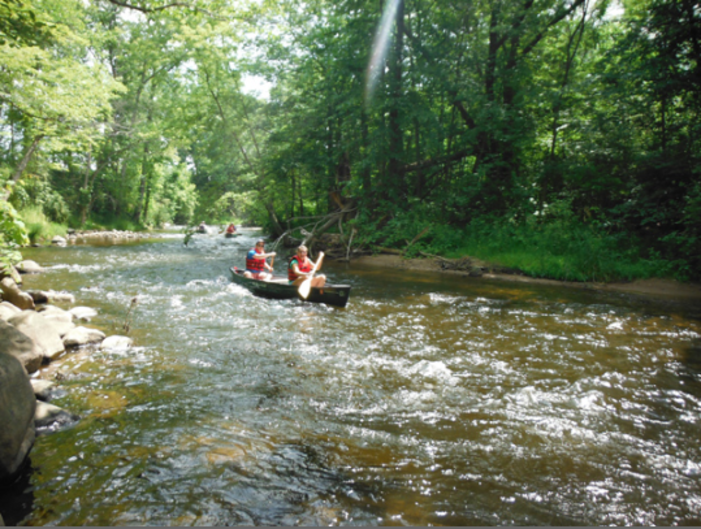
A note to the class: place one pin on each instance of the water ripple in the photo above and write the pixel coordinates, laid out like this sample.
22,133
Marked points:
424,402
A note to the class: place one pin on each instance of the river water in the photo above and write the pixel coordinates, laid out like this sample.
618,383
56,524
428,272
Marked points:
426,401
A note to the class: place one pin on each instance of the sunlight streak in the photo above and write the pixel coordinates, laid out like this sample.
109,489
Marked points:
379,48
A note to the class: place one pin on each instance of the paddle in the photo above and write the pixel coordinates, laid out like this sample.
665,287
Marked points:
306,286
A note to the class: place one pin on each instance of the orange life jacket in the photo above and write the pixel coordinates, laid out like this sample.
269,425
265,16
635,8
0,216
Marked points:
305,268
257,265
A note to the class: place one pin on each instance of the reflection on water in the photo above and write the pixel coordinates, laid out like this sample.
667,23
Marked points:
426,401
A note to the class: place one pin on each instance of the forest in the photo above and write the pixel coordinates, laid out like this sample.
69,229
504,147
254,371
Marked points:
557,137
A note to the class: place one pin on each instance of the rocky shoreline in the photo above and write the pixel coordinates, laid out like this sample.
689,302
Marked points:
35,332
468,267
77,236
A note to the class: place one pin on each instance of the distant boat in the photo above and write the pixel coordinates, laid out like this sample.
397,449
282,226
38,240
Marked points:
231,235
279,288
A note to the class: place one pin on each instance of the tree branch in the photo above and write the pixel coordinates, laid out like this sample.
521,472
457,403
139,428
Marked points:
557,18
432,162
149,10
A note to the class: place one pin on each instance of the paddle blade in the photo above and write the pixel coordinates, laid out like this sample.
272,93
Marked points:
305,288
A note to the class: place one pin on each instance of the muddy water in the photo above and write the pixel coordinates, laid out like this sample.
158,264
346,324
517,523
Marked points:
427,401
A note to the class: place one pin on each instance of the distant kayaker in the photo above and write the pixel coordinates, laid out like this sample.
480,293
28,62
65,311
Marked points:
300,268
256,263
231,229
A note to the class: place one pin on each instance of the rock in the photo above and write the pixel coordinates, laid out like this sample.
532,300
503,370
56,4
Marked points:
42,388
116,343
50,309
21,346
82,336
58,241
83,313
61,320
52,417
7,310
39,296
40,331
29,267
17,409
59,297
12,293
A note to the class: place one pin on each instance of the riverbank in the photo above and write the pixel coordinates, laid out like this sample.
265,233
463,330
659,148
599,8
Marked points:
36,336
658,288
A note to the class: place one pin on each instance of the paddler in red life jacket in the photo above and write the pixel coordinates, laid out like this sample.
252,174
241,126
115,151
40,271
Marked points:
256,264
300,268
231,229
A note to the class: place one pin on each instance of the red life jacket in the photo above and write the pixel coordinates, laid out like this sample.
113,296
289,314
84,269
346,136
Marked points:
306,268
255,264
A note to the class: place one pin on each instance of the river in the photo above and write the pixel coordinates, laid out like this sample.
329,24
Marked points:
426,401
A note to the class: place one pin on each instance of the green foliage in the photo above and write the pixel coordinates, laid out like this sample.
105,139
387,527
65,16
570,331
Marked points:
39,226
565,139
34,191
111,222
20,23
13,234
233,207
565,250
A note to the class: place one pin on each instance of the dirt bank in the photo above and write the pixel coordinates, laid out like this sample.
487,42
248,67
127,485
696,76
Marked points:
660,288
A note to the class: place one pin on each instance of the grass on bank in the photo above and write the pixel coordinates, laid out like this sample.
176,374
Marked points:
580,255
568,251
109,222
555,251
39,227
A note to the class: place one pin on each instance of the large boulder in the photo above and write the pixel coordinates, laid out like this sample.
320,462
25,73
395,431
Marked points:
58,241
21,346
38,329
29,267
82,336
7,310
61,320
12,293
17,410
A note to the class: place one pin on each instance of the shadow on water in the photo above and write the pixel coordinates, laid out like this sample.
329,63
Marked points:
17,498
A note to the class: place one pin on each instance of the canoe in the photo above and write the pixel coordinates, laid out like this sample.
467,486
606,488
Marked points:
279,288
231,235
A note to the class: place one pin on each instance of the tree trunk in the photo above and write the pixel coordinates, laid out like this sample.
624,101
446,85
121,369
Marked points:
396,144
24,162
142,193
292,200
277,228
366,175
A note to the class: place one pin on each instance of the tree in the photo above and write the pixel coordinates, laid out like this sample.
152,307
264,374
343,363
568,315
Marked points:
50,92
